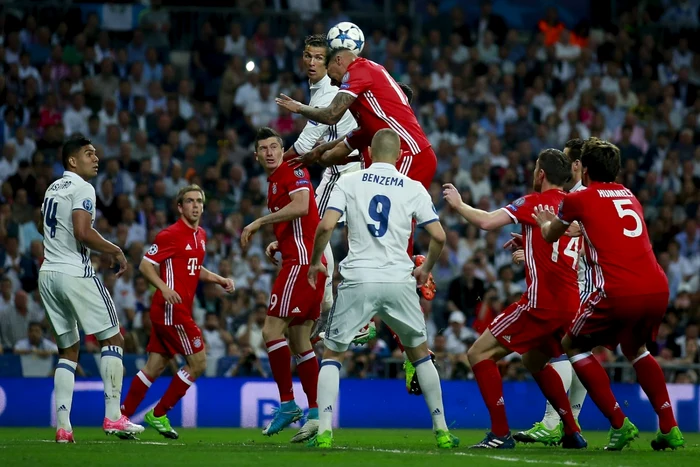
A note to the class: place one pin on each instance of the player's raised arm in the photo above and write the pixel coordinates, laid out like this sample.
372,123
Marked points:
482,219
552,227
328,115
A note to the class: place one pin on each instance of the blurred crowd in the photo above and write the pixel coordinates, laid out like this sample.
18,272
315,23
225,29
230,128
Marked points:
488,96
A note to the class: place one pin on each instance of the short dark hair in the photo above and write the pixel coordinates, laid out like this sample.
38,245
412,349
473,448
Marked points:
72,146
334,53
574,146
601,159
264,133
408,90
556,166
316,40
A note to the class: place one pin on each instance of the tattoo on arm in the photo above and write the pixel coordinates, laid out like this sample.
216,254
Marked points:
333,113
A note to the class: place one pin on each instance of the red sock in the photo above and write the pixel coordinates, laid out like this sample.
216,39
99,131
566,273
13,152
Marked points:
651,379
137,391
280,359
596,381
552,387
491,386
179,385
307,368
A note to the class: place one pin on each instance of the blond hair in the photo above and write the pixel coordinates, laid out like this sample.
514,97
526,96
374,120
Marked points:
187,189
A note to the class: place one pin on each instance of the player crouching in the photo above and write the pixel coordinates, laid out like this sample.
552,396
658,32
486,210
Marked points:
173,264
294,305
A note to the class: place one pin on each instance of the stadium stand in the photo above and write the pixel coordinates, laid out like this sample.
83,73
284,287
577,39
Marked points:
170,96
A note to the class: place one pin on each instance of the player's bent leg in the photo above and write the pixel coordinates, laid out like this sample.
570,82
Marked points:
651,378
328,388
308,370
112,372
154,367
432,392
64,383
553,389
482,357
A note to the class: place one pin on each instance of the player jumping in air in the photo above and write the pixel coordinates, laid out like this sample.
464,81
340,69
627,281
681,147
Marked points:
377,102
550,430
631,293
294,305
174,265
380,205
533,325
72,293
322,94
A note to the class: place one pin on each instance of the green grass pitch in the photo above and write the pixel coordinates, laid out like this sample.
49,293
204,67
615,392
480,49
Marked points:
245,447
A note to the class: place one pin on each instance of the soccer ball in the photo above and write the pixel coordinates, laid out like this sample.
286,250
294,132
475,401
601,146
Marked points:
346,35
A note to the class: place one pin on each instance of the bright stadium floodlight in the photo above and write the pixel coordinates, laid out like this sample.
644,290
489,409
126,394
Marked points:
250,66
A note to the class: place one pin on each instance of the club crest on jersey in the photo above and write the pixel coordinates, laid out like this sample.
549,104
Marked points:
203,244
346,77
299,173
274,188
153,250
516,204
87,205
197,342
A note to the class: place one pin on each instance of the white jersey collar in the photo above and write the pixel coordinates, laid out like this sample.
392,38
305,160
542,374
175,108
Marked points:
576,187
383,165
69,174
326,80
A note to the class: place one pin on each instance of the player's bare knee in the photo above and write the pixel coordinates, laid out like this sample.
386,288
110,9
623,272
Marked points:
116,339
71,353
155,365
197,364
632,352
417,353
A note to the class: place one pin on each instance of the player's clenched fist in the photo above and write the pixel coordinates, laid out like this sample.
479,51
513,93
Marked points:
451,195
518,256
170,296
270,251
420,275
228,285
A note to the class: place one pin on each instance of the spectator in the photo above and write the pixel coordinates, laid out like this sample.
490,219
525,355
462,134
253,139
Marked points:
35,343
14,322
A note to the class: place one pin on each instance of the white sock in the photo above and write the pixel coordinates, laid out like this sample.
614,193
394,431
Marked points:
432,392
112,372
551,417
577,394
63,383
328,388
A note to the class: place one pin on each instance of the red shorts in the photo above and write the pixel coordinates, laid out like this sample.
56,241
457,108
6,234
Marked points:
420,167
293,297
629,321
175,339
520,329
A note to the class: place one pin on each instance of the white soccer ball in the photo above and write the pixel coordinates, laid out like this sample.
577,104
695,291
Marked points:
346,35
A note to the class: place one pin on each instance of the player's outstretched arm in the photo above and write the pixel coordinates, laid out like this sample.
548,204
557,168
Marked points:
437,243
91,238
551,226
338,155
207,276
327,115
480,218
321,239
298,207
152,275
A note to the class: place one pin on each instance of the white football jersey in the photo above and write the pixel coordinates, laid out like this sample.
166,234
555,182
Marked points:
585,281
322,94
380,205
62,252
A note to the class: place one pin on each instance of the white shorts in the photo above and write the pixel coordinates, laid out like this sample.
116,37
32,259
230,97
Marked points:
70,301
396,303
328,181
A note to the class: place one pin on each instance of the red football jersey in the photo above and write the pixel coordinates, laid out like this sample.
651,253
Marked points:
380,103
550,269
616,240
179,251
296,238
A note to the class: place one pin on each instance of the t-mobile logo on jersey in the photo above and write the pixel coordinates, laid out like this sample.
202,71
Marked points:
192,266
259,399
